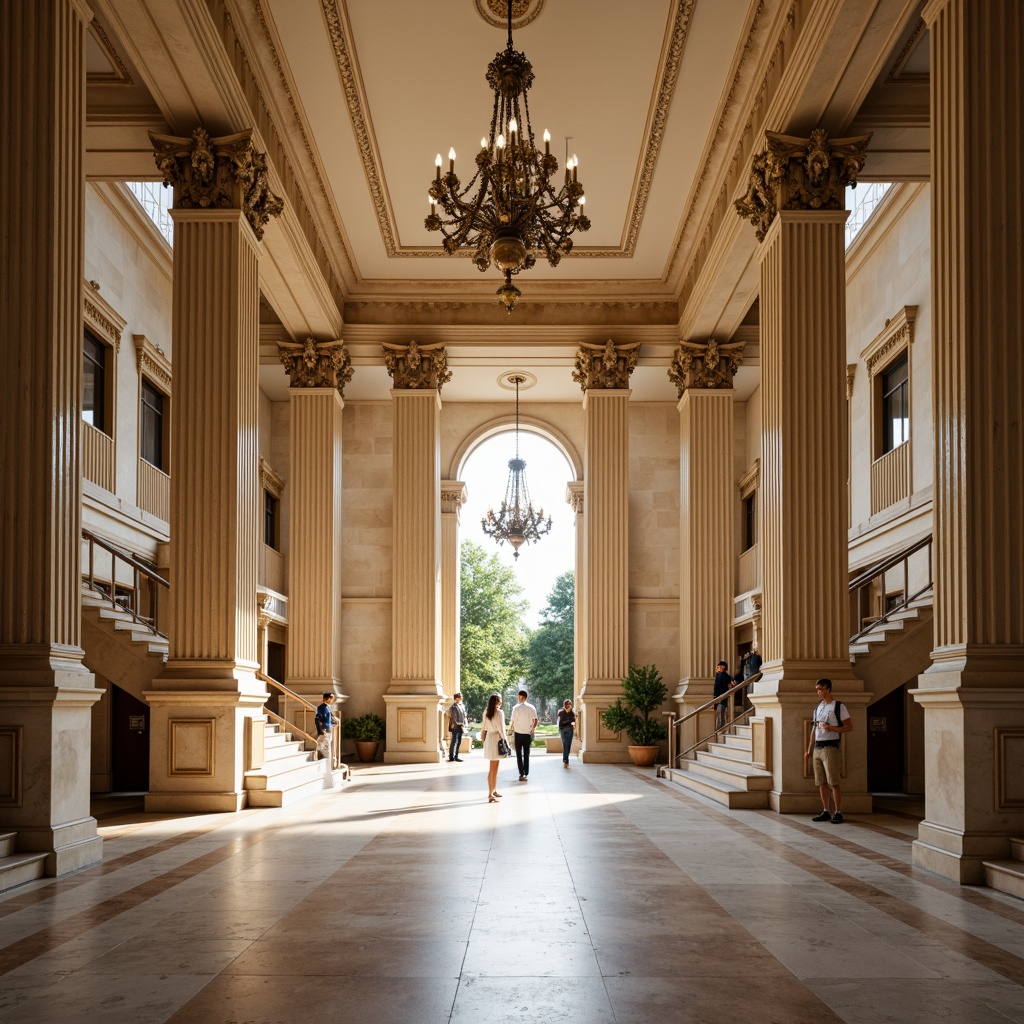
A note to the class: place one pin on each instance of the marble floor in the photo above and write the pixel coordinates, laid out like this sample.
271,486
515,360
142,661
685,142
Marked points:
592,895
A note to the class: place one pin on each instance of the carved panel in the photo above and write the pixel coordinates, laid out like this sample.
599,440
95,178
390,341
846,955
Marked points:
412,725
1008,745
11,753
761,743
190,747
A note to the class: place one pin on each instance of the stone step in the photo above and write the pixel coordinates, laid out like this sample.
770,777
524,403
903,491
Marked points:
1017,849
733,773
8,842
19,868
1006,876
278,769
285,797
723,793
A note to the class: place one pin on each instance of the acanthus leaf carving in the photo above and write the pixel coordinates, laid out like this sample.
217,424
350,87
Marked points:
416,366
313,365
794,173
708,366
217,173
605,366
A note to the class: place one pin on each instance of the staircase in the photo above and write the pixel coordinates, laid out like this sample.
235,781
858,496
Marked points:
18,868
1007,875
289,772
895,649
724,772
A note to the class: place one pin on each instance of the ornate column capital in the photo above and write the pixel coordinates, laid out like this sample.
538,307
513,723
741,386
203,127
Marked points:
605,366
417,366
453,496
316,365
574,496
793,173
709,367
223,173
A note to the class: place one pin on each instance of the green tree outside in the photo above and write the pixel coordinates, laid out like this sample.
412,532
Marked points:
493,635
551,648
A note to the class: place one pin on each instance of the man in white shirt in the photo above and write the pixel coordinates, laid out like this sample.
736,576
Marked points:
524,724
831,719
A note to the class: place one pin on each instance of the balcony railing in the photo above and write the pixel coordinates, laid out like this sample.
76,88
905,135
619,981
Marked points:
890,478
97,456
154,491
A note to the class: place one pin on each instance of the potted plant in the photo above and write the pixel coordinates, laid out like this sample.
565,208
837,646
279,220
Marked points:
367,731
643,692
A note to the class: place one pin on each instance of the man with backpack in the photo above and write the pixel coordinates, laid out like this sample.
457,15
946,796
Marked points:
831,720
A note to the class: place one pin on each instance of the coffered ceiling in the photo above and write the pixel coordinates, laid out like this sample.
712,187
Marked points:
662,101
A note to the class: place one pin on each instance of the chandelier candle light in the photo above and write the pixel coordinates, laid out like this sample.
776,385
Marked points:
516,522
510,208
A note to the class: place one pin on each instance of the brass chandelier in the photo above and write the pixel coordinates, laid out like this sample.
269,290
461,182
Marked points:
516,521
510,209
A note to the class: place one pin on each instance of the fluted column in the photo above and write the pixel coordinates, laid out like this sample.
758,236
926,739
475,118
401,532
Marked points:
208,693
703,375
46,694
603,374
804,450
453,497
415,697
574,497
973,692
318,374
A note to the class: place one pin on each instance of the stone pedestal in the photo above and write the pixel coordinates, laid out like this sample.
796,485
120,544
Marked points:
973,693
46,693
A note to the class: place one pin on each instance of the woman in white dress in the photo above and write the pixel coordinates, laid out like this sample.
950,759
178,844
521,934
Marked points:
493,729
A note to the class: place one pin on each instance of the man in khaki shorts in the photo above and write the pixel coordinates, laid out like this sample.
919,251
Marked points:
831,719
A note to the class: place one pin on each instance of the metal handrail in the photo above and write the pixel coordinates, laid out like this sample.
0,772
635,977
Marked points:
306,708
866,578
139,569
674,722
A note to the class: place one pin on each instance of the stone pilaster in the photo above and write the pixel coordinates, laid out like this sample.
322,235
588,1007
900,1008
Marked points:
603,374
46,693
415,697
796,203
574,497
453,497
973,692
202,701
318,374
703,375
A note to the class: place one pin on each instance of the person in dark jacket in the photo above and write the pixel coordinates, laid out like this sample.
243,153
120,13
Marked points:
723,683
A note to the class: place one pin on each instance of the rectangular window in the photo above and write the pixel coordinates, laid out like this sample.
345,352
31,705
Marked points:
895,405
151,426
94,382
269,520
749,521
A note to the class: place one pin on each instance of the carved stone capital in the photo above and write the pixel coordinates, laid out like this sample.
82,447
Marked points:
605,366
313,365
710,366
800,174
417,366
454,494
225,173
574,496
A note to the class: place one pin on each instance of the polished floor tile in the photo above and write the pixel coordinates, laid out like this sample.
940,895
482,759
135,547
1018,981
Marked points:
591,896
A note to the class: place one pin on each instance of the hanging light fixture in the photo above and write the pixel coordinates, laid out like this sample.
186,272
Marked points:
509,209
516,521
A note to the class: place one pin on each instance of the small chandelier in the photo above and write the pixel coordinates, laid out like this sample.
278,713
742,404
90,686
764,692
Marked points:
516,522
510,208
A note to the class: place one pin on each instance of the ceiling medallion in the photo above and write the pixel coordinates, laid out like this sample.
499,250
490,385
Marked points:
523,12
510,208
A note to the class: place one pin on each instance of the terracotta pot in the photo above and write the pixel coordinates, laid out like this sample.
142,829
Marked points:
367,749
644,757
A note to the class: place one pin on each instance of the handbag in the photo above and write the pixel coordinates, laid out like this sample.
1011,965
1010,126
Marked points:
503,747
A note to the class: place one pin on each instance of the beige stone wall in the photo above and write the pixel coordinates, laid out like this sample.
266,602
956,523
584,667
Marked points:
888,267
366,555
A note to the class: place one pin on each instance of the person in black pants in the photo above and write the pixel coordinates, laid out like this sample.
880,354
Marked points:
524,724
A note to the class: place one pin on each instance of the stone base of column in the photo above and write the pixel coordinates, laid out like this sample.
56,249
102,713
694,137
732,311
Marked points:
201,745
600,745
974,745
690,695
414,728
45,743
784,697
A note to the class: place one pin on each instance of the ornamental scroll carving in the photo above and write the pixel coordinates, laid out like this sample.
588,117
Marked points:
312,365
225,173
605,366
416,366
800,174
710,366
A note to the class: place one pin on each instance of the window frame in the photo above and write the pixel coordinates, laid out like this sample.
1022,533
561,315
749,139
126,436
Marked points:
104,325
273,488
891,346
